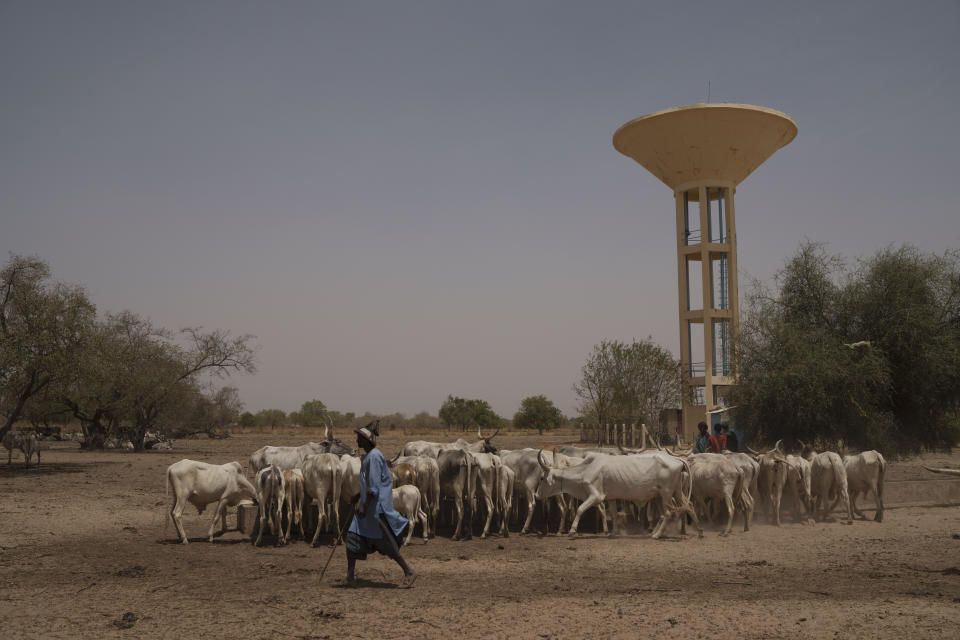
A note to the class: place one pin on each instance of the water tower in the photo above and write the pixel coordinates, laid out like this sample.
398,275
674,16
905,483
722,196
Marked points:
702,152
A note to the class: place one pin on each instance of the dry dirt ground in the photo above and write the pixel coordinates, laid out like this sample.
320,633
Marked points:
85,552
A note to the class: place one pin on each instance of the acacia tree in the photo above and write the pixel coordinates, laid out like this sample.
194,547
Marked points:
210,412
313,414
870,356
96,393
270,418
43,325
423,422
467,415
136,374
538,412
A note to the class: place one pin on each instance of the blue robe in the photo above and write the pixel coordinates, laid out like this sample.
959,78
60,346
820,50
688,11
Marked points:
375,476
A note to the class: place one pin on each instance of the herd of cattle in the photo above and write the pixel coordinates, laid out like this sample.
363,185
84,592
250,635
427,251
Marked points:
479,483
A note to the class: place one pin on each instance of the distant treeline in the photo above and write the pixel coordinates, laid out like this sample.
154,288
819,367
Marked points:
455,414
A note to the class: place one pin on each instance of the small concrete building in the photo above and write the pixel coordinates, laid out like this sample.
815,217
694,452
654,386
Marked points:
702,152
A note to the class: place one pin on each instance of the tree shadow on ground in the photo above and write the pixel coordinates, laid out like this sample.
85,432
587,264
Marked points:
47,468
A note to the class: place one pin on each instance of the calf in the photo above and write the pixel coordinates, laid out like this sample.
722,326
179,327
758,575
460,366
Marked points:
428,481
406,500
200,484
293,499
865,473
402,474
270,496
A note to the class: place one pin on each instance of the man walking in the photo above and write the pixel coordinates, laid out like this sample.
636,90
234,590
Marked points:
376,526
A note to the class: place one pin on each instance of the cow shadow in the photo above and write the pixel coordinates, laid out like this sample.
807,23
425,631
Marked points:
203,540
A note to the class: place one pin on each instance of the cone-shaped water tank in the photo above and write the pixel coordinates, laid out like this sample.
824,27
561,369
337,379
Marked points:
705,141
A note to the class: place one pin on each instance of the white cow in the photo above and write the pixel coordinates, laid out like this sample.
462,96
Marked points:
865,472
322,478
406,500
26,441
433,449
828,483
638,478
771,479
750,468
349,478
718,477
200,483
797,487
270,496
293,499
487,477
457,483
283,457
505,498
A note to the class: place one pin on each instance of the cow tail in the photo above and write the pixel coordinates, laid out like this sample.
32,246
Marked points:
496,487
686,465
738,490
470,488
880,474
166,495
435,494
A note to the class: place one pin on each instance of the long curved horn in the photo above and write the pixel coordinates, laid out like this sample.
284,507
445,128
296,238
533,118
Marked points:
776,447
949,472
801,443
326,432
543,465
395,458
489,438
479,435
756,453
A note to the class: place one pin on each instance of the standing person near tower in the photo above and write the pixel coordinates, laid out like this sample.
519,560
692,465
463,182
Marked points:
733,443
376,526
718,441
703,439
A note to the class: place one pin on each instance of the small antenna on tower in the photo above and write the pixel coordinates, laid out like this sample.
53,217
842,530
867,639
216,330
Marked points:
708,92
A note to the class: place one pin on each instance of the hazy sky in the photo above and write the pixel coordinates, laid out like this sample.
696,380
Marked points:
405,200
